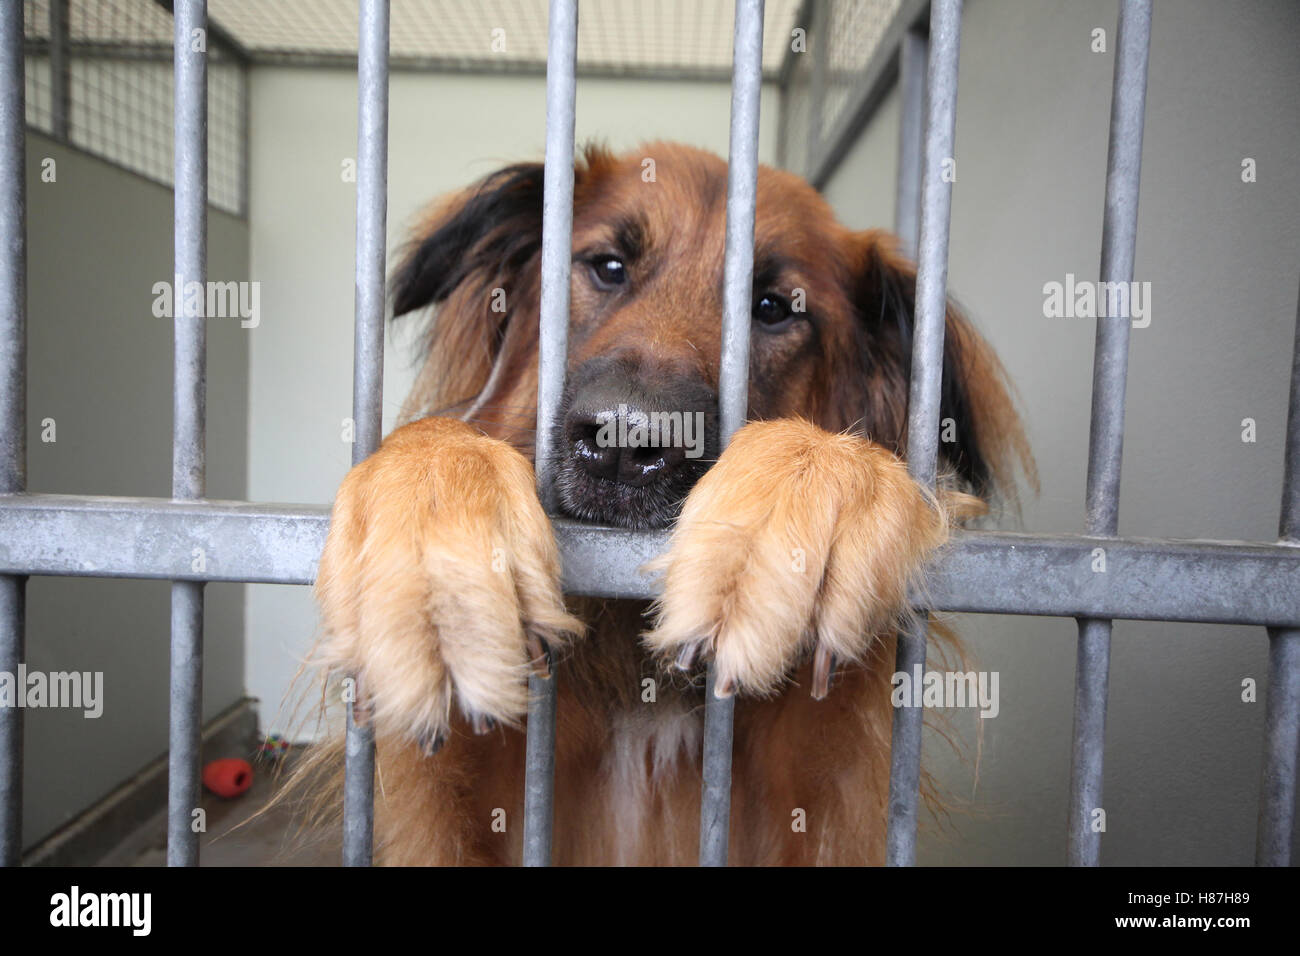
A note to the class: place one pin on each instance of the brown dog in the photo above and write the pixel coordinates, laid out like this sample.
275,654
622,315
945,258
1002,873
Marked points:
439,585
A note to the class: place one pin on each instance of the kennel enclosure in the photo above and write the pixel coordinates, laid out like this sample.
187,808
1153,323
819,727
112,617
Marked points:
984,572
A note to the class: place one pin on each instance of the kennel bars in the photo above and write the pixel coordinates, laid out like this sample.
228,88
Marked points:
984,572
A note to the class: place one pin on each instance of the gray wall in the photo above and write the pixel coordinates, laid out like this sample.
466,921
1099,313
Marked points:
1223,257
99,364
445,131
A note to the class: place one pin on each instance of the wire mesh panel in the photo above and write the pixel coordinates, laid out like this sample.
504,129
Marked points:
853,35
664,38
110,65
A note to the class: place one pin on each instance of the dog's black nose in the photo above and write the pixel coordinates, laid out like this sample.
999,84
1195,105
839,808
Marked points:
625,444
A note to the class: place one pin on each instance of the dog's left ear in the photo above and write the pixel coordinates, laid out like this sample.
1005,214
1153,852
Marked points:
476,259
981,440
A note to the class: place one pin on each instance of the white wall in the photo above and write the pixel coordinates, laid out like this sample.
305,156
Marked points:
100,365
445,132
1183,750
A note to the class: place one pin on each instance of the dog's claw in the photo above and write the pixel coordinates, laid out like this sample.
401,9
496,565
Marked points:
359,707
823,668
724,688
686,656
482,724
539,654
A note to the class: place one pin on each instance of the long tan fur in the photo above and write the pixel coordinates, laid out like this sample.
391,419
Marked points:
790,563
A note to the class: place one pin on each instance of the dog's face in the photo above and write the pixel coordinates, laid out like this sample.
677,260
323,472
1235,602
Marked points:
830,336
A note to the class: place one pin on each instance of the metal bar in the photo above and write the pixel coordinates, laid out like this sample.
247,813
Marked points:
1106,435
982,572
923,396
733,378
189,388
367,369
1277,791
553,347
13,402
60,71
912,56
820,49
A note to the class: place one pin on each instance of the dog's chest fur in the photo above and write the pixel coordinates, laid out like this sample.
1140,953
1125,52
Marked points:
653,721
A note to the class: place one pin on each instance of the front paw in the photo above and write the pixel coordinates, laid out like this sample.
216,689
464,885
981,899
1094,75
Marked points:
439,582
797,541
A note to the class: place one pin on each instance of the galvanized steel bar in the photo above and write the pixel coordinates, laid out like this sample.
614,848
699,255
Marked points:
189,389
1106,435
819,12
733,378
981,572
923,395
13,402
1277,791
553,346
60,71
913,53
367,372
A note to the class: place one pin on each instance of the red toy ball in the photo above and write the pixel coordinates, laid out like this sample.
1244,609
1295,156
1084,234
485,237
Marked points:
229,777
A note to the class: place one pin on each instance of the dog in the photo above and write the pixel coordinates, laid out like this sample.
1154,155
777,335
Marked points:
791,553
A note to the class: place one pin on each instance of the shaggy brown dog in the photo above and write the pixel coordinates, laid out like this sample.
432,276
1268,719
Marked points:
790,555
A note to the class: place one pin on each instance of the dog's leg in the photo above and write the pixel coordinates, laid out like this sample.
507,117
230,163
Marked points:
797,542
439,585
794,553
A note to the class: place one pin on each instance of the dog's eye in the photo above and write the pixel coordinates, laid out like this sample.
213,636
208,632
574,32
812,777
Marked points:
772,311
608,271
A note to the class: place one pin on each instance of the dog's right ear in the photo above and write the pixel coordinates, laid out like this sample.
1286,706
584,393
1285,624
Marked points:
490,230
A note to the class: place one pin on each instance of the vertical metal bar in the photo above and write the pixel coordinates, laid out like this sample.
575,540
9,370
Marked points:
367,369
820,46
553,346
1277,791
60,71
733,378
246,132
912,55
1106,436
188,418
13,402
924,391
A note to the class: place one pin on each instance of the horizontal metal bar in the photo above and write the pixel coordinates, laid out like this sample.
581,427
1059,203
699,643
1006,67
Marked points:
986,572
206,540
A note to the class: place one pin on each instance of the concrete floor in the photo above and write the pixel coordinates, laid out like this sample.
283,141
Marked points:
273,839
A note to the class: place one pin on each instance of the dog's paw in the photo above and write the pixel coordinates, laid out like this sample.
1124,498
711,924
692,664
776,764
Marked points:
439,582
797,541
